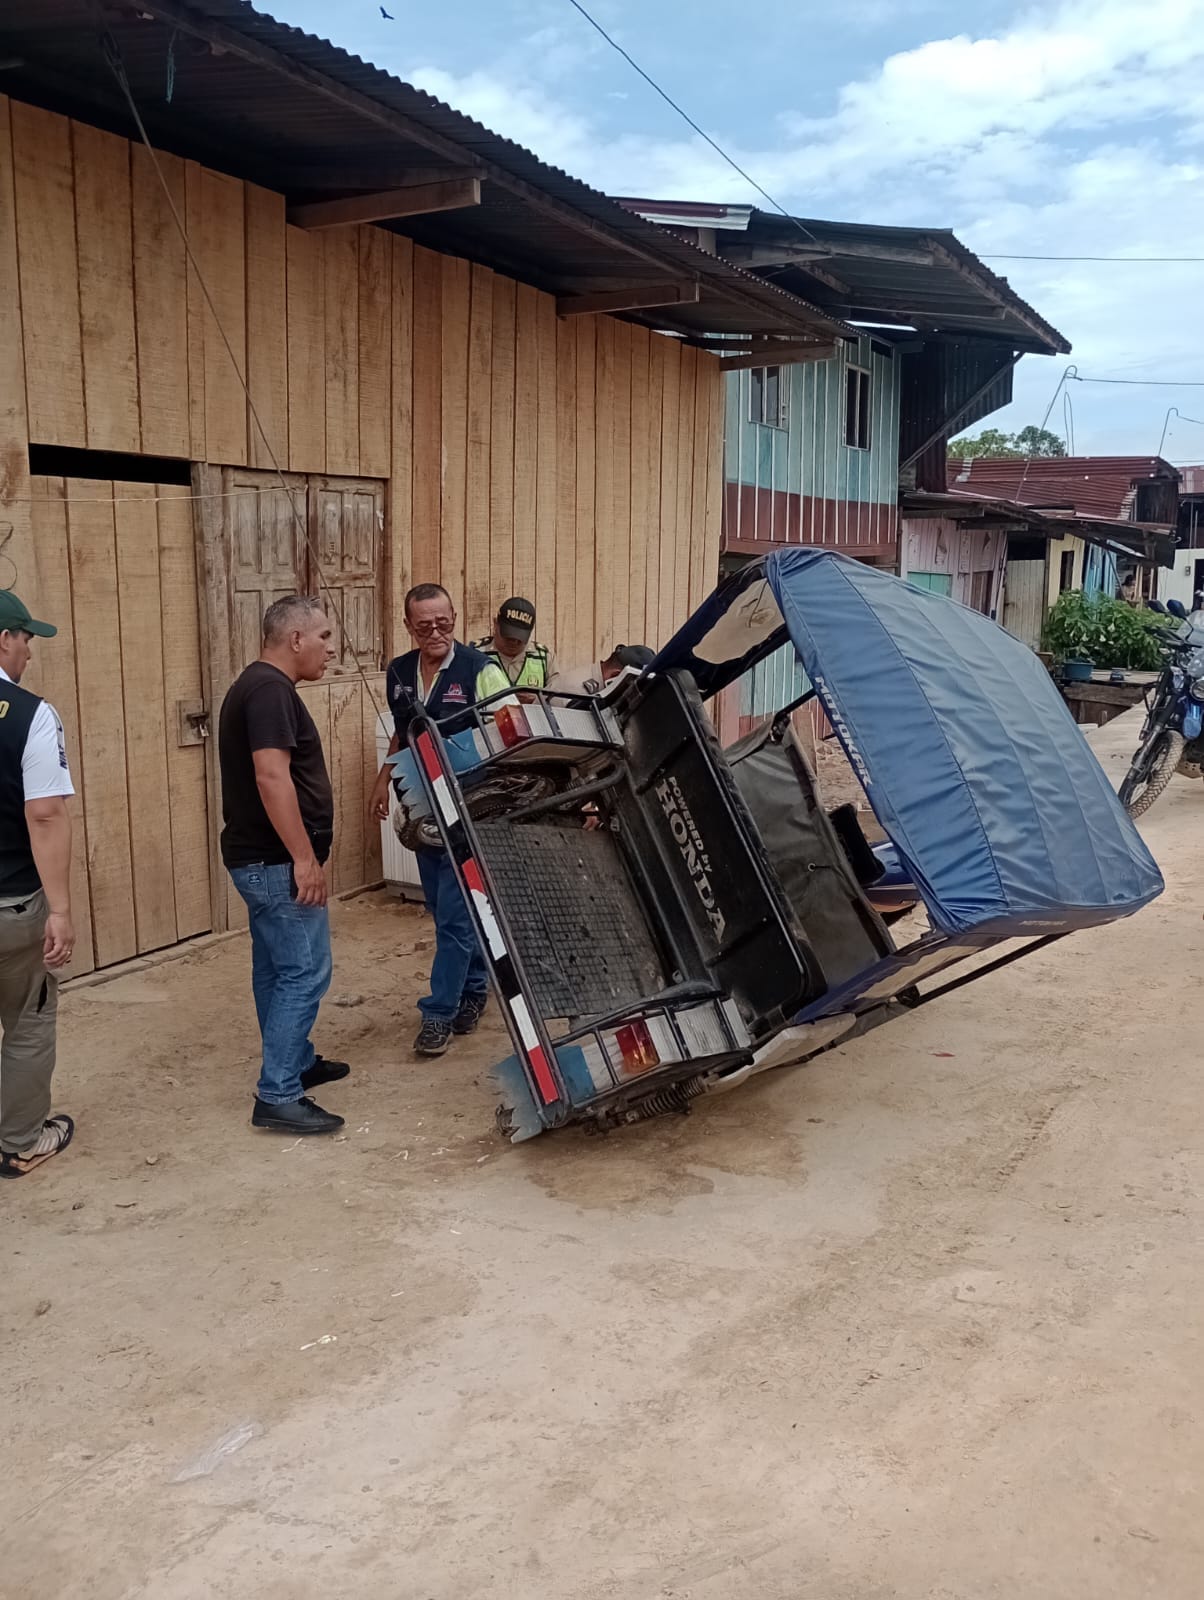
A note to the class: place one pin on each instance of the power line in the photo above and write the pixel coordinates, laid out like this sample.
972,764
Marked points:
1070,371
1173,411
687,118
777,204
1145,383
1120,261
117,66
803,229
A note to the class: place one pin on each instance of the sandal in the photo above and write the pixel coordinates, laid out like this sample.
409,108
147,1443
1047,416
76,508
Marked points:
57,1133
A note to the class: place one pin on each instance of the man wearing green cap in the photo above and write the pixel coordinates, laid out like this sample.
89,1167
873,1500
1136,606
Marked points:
36,936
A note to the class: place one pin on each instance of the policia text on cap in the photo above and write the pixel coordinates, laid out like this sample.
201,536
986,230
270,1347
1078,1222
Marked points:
511,647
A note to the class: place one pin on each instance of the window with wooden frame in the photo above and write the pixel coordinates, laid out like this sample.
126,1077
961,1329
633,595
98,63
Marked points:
1066,572
768,397
857,407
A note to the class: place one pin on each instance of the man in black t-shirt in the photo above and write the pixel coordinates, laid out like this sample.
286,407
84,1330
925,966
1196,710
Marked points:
278,811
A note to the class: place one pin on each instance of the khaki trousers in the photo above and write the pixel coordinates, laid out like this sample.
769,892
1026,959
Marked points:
28,1007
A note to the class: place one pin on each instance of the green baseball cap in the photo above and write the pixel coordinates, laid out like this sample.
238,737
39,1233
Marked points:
14,615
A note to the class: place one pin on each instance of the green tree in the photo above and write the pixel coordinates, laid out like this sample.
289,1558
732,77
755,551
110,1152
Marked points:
1029,442
1033,441
990,442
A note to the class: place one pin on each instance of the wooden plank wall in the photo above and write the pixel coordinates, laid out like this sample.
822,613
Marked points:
574,461
577,461
113,566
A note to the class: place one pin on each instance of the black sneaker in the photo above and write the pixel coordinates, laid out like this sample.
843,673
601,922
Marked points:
471,1009
434,1036
323,1071
298,1116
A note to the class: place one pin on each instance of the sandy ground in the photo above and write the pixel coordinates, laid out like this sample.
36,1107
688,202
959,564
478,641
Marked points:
921,1320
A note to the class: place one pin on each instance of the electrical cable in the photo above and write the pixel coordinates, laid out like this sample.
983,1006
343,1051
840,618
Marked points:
1146,383
112,55
1173,411
1069,372
687,118
1119,261
778,206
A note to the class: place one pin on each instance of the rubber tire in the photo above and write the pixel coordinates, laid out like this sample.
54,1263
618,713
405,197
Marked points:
482,804
1160,775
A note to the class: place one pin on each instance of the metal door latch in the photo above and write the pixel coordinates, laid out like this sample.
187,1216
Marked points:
192,722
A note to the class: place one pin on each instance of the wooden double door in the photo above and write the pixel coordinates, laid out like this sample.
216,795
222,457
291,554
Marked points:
157,591
264,535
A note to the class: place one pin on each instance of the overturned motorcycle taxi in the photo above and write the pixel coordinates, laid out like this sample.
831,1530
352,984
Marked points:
663,918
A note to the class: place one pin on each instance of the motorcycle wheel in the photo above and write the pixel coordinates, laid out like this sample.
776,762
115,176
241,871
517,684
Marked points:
493,798
1148,777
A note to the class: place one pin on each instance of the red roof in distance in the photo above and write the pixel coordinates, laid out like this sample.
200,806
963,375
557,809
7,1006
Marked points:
1099,486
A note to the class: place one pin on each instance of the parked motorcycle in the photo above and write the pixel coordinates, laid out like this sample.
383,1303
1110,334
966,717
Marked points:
1171,740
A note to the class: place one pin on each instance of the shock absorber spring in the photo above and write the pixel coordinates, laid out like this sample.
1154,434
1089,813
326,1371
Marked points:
676,1097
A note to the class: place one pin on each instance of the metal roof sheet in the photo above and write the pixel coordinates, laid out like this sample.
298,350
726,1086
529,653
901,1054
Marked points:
915,277
1149,541
260,99
1101,486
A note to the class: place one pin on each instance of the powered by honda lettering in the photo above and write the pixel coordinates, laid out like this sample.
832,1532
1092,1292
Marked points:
693,852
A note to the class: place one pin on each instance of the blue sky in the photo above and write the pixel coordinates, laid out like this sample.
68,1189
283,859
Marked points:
1076,127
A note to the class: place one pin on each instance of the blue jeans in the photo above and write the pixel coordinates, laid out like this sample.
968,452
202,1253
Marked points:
459,967
290,972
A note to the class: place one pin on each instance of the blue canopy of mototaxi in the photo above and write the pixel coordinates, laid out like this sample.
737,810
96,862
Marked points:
968,754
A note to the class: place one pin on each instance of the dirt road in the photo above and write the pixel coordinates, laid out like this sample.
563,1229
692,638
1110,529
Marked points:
921,1320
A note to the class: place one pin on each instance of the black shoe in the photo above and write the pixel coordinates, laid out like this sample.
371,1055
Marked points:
323,1071
434,1036
471,1009
299,1116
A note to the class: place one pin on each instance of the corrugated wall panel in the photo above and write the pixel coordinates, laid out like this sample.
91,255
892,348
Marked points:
773,683
803,483
937,383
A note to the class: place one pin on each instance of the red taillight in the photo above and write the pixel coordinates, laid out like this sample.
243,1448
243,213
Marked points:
636,1047
512,724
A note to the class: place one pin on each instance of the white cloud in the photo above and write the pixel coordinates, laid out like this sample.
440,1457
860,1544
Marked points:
1074,129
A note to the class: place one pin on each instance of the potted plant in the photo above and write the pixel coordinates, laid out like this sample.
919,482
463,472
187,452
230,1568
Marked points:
1084,631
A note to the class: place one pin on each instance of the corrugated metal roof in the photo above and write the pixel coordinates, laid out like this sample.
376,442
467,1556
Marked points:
1150,542
262,100
1101,486
1191,480
917,277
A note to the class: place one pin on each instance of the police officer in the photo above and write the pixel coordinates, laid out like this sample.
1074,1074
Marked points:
443,676
510,647
36,935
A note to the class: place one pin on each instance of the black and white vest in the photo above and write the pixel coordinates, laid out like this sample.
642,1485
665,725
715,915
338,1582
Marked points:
18,871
